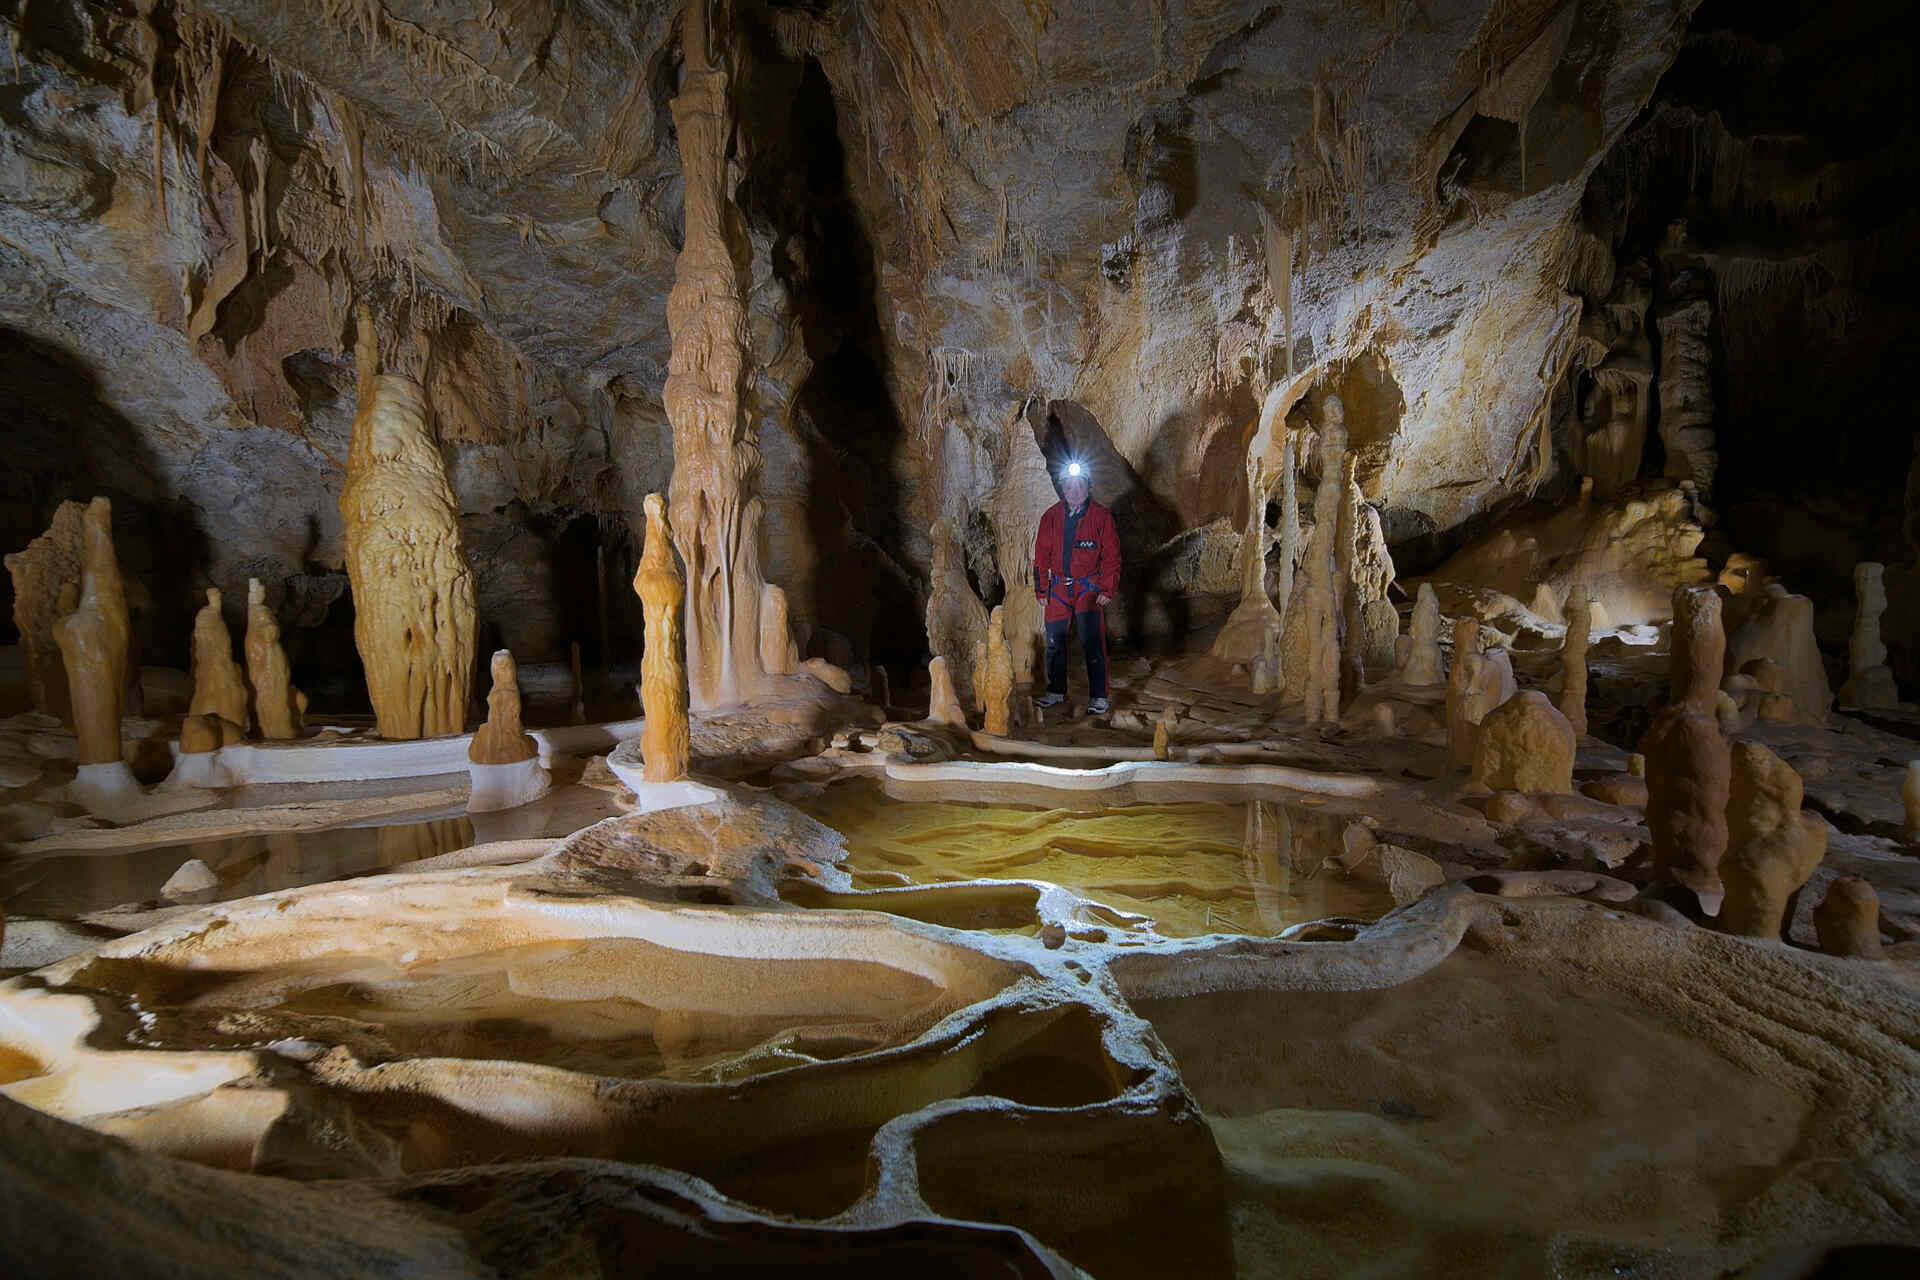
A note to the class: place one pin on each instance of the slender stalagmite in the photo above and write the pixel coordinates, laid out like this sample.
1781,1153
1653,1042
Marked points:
93,641
218,687
277,705
1573,660
1323,594
716,465
663,674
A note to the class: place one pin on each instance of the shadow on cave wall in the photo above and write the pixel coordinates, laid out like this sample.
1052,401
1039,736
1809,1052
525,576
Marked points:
63,443
795,190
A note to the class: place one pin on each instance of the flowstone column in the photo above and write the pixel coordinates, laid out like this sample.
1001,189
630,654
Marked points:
277,705
1324,585
716,464
413,605
663,676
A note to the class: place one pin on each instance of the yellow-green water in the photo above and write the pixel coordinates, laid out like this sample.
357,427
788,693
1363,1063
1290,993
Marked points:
1188,869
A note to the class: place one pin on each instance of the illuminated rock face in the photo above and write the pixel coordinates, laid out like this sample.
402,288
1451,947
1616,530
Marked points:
278,707
1524,744
93,641
50,564
218,687
663,672
413,603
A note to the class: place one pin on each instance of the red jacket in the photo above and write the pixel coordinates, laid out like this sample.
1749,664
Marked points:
1094,569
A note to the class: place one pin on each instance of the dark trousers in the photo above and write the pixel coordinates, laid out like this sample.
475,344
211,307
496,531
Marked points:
1093,643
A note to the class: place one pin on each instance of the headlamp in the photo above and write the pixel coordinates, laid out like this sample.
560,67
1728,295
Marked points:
1073,469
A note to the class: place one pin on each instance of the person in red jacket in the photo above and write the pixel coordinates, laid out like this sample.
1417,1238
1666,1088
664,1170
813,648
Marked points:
1076,569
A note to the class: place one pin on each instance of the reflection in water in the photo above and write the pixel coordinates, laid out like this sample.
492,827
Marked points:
1188,869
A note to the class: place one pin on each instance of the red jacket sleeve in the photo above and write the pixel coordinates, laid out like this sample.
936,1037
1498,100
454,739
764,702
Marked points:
1042,543
1107,576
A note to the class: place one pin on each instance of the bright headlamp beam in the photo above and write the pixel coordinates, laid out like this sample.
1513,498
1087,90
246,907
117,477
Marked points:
1073,468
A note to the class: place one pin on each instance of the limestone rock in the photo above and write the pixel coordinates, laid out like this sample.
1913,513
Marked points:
413,595
833,676
1525,744
1327,569
663,676
1910,802
956,620
1687,767
944,704
1477,684
779,655
998,691
1869,681
1848,919
1573,662
1424,664
278,707
193,882
1380,629
1782,629
1247,635
93,641
1772,847
201,734
218,687
502,739
49,563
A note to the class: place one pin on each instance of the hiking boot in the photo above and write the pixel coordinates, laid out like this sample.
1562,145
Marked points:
1049,700
1098,707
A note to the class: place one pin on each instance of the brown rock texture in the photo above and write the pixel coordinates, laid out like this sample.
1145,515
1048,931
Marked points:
1772,847
413,591
1524,744
1573,662
93,641
779,656
956,620
502,739
998,693
1328,563
663,674
1476,684
1424,664
1847,921
48,564
1869,681
1687,767
1781,628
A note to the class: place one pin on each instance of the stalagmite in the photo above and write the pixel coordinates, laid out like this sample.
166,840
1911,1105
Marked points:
1477,684
93,642
1686,391
413,599
503,759
779,655
998,693
49,563
1772,847
1781,628
1869,681
716,462
1380,634
218,687
1524,744
1573,661
663,674
1326,569
1847,920
277,705
1910,801
1246,637
943,705
1424,664
1688,768
1346,587
956,620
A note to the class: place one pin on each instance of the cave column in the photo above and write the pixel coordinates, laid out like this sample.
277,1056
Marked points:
716,512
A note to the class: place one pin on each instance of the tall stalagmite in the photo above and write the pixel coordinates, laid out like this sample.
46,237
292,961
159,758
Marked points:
1689,771
1324,580
663,673
1253,629
218,687
1573,660
49,563
413,603
716,462
93,641
277,705
503,739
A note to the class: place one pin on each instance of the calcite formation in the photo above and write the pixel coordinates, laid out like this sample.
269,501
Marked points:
218,687
1424,664
1476,684
1780,628
1573,662
502,739
93,641
413,591
664,695
1524,744
998,692
40,572
1847,921
278,707
1321,607
716,453
943,706
956,620
1688,768
779,655
1772,846
1869,681
1910,803
1249,634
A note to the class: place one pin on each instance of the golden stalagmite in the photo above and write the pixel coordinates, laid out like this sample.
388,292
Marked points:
1773,845
502,739
1573,661
779,655
956,620
663,673
93,641
413,601
1688,768
218,687
1248,634
278,707
943,704
998,677
49,563
716,463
